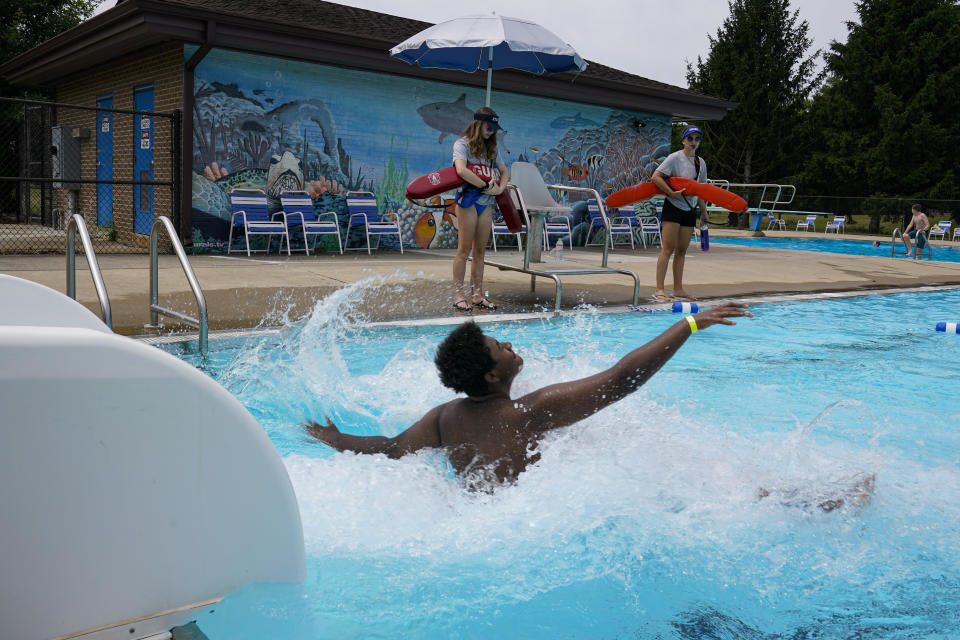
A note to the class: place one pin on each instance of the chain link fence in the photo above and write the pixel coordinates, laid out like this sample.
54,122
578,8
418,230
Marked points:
878,215
118,168
864,215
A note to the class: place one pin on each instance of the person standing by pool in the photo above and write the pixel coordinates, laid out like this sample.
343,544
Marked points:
679,211
918,228
490,437
475,202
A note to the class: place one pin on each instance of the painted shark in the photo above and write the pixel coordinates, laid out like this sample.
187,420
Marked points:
449,118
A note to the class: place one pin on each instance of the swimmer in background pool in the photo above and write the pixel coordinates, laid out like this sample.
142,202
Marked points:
918,228
490,437
475,203
679,215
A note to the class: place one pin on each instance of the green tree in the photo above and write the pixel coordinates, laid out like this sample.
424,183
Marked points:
24,24
759,59
885,123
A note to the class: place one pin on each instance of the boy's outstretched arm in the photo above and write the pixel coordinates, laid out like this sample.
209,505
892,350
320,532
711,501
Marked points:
562,404
423,434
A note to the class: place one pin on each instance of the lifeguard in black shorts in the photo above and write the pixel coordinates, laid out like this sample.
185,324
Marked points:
681,213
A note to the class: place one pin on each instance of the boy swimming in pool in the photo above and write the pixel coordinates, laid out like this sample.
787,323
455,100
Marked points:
489,436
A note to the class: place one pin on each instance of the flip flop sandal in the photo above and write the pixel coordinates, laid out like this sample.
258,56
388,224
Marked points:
485,305
660,298
463,306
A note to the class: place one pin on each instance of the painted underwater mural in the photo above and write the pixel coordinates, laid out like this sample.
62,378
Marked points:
277,124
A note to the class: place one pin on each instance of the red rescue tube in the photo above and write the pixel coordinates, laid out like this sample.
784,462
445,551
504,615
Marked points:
447,179
433,183
509,212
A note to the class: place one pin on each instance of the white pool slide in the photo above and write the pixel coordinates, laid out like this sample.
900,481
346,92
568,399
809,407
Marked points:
134,489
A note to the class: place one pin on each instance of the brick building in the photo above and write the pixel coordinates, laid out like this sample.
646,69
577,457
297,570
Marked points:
309,91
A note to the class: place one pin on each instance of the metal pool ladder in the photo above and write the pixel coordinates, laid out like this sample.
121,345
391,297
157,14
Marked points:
918,253
200,322
74,225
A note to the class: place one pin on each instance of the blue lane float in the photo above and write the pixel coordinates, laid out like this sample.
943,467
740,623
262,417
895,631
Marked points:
948,327
677,307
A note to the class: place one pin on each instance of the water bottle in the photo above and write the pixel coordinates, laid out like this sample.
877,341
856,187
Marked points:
704,238
558,250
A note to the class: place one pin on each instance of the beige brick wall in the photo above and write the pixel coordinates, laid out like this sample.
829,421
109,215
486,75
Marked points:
163,68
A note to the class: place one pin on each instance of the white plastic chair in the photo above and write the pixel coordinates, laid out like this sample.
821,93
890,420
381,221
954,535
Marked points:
650,227
776,220
500,228
626,223
810,224
837,225
298,212
362,206
956,234
942,229
557,226
250,211
600,221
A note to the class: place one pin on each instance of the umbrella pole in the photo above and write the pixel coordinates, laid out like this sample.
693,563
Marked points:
489,74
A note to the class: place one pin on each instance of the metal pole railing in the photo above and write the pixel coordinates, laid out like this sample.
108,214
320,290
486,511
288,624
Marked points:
603,214
74,225
200,322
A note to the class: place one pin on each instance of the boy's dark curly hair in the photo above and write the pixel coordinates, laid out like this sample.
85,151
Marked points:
462,360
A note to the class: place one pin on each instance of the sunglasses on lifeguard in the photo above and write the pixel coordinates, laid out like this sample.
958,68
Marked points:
693,138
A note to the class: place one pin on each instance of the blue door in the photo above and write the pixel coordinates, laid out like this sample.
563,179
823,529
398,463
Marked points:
105,161
143,160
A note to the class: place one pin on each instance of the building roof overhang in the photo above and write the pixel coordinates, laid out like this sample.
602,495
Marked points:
133,25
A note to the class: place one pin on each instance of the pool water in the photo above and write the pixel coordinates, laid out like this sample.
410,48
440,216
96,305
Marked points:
835,245
642,521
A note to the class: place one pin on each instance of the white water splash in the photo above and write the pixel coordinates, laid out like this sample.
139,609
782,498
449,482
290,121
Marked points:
648,493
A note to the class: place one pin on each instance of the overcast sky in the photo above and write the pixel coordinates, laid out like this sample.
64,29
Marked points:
650,39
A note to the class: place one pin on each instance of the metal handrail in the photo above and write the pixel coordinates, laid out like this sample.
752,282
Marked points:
75,224
917,253
603,214
568,270
764,186
200,322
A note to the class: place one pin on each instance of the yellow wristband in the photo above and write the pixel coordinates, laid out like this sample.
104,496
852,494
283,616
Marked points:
693,324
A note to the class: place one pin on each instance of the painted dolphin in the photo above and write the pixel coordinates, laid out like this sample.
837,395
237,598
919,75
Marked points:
449,118
571,122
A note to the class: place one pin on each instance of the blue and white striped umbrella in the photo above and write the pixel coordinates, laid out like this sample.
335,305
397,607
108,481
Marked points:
489,42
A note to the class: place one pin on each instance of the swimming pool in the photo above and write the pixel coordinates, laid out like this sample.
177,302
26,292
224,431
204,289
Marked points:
642,521
834,245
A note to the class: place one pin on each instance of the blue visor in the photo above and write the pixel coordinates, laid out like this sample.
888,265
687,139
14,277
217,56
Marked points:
490,119
690,130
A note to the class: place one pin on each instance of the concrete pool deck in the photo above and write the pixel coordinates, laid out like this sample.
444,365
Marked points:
245,292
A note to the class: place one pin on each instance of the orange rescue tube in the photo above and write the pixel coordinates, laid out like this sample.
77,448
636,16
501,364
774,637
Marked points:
642,191
711,193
